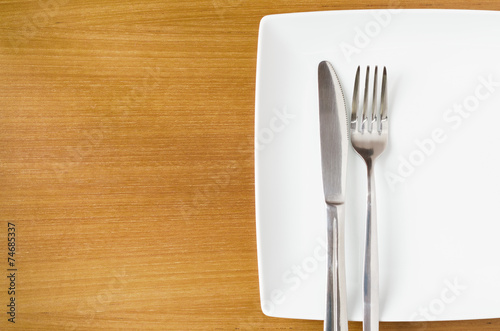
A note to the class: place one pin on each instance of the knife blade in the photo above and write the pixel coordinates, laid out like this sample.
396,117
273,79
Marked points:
334,147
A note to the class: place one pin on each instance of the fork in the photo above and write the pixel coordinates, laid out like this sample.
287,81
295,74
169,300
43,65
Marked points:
369,131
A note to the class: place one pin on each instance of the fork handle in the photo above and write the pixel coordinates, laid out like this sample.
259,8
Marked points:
336,297
370,270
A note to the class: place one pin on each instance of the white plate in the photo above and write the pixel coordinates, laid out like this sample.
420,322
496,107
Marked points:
437,182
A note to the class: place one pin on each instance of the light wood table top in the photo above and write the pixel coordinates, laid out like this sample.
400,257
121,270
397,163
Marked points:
126,163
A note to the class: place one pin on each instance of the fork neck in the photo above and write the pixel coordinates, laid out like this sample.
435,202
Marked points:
369,164
370,177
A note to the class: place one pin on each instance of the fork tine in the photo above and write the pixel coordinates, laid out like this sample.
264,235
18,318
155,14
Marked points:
355,102
364,120
383,104
375,114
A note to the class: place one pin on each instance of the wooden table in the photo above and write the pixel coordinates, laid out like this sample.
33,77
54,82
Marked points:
126,164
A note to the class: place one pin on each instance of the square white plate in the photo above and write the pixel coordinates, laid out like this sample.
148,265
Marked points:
438,185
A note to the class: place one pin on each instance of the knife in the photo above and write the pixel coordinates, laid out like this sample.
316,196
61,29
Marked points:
334,144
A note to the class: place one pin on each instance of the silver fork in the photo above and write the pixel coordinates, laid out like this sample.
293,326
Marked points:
369,130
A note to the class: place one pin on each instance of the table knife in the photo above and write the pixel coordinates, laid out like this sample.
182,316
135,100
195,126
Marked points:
334,144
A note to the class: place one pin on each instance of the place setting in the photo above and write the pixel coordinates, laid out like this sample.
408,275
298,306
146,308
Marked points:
375,166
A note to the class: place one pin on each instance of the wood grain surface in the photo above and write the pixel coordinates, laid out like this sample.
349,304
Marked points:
126,163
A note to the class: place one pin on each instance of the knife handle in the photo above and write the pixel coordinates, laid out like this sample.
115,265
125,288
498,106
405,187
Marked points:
336,298
370,268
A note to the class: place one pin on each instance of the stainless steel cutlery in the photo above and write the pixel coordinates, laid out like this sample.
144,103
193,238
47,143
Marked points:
369,131
369,135
334,145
